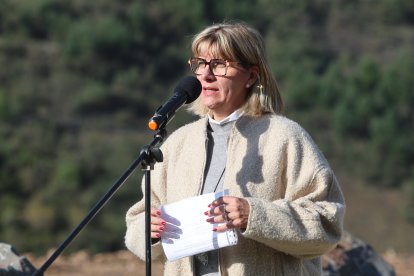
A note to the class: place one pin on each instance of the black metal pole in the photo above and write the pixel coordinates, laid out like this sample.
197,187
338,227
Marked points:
152,156
105,198
148,221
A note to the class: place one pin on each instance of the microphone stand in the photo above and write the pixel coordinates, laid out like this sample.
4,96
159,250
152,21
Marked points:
148,156
152,155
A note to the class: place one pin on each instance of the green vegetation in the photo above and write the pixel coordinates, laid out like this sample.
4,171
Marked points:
79,80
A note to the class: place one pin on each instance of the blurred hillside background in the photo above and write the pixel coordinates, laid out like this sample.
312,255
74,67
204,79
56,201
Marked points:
80,79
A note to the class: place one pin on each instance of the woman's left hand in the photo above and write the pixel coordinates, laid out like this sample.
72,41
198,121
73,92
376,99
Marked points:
234,211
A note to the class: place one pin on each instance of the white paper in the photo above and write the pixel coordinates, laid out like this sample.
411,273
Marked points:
187,232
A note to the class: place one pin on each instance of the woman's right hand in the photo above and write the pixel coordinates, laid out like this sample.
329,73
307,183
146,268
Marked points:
157,223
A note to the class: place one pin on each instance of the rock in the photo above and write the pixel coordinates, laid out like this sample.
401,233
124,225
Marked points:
353,257
11,264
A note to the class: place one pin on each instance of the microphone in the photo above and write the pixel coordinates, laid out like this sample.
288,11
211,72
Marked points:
186,91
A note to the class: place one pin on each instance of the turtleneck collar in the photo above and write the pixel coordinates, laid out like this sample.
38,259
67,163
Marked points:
232,117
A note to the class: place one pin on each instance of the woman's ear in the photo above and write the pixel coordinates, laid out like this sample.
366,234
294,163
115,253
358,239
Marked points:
254,75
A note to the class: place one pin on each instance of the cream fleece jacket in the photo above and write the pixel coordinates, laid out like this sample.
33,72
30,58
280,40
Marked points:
296,205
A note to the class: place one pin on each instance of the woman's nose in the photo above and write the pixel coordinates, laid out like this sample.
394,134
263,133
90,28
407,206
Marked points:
207,74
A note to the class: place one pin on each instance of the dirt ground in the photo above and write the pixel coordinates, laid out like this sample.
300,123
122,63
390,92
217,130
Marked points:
124,263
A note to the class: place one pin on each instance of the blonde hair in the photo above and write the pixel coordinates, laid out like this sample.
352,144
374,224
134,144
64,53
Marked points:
240,42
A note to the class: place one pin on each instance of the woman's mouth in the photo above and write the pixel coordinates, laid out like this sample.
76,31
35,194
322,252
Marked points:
208,91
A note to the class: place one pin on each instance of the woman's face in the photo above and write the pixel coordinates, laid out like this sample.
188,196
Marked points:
223,95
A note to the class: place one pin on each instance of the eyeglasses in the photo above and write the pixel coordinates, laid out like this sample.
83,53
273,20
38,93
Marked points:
217,66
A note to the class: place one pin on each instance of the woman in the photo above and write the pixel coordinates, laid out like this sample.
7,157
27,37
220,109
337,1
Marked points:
284,199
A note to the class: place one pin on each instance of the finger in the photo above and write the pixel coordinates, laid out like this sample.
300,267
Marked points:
218,219
223,200
157,229
155,212
224,216
157,221
228,200
155,235
223,209
215,211
231,221
218,201
224,227
239,205
229,208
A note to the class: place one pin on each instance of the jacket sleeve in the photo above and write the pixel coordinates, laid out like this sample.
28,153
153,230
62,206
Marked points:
135,233
135,217
164,172
308,220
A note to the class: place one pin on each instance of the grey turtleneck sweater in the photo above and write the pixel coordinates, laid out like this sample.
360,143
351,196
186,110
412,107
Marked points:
207,264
